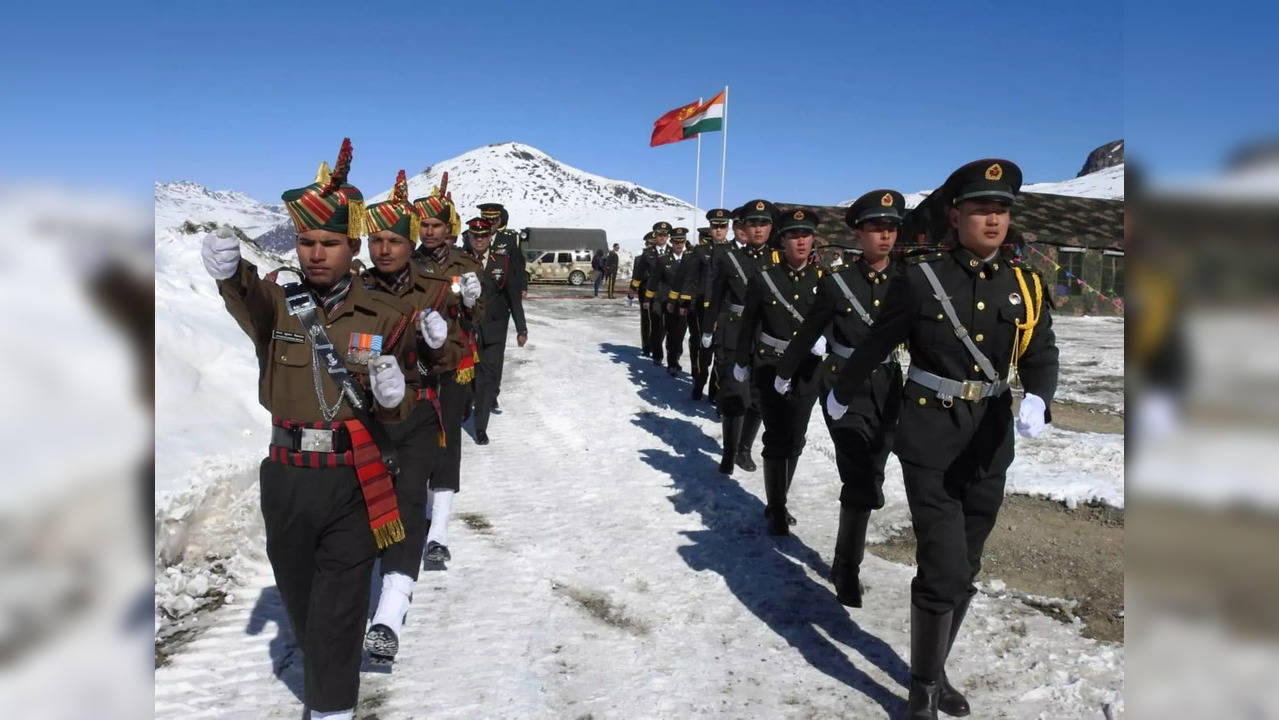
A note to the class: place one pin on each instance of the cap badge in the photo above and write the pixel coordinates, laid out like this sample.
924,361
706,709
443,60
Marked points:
799,215
994,172
719,213
1014,298
759,205
887,200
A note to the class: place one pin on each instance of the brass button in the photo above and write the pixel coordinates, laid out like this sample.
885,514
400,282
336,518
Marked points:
995,265
281,358
876,303
972,263
981,305
796,297
982,274
976,368
979,337
939,316
923,401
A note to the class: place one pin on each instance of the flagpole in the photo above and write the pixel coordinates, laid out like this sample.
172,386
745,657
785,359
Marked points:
697,178
723,152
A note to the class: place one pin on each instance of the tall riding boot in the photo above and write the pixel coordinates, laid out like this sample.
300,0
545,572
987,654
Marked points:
732,425
949,700
791,464
929,635
750,426
775,495
850,548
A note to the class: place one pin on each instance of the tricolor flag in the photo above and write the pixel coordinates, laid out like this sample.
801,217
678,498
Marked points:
707,118
669,128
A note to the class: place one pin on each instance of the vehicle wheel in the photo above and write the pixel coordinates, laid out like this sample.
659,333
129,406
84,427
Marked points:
577,277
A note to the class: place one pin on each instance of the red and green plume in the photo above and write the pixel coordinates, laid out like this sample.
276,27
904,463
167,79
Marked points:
329,203
396,214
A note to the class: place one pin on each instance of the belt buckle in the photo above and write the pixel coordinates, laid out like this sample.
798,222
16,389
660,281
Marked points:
316,440
971,390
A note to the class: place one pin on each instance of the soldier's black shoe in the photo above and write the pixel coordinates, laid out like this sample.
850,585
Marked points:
790,519
929,644
731,426
697,394
949,700
381,644
673,370
848,584
775,496
481,438
744,460
850,549
922,704
437,554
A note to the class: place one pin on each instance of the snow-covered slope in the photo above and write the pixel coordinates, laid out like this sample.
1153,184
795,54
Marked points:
179,202
1107,183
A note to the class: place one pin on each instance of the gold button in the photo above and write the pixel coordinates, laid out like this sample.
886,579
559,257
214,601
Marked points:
995,265
972,263
281,358
982,274
981,305
796,297
923,401
792,332
939,316
976,368
979,337
876,303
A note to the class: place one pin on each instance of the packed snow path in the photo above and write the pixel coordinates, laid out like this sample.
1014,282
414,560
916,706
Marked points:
603,568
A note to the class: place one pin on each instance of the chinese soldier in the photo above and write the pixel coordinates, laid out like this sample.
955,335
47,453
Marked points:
455,368
696,286
731,273
332,359
673,267
778,298
848,300
501,303
973,322
393,228
649,302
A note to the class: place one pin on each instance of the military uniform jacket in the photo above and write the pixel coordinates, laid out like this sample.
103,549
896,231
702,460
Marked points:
653,275
728,287
286,377
501,299
461,320
694,284
766,314
671,277
509,242
640,270
422,290
990,303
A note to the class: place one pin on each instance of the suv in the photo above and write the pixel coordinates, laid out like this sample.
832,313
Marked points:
570,266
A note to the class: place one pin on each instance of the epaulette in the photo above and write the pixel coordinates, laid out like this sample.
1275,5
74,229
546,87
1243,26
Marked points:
284,275
777,258
923,257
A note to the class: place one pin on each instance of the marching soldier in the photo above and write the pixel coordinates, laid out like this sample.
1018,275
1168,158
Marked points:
737,402
973,321
393,228
501,303
848,300
498,218
650,302
455,368
719,219
778,298
639,273
332,361
695,286
674,266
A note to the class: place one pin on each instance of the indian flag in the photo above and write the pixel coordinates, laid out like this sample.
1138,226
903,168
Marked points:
707,118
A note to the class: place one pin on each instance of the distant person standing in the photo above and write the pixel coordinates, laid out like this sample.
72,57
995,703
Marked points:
610,269
597,269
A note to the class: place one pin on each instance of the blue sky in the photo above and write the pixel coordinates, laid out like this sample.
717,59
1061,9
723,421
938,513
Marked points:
827,100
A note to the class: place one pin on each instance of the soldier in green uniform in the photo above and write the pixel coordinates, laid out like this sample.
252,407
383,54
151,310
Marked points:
676,303
731,273
455,369
334,368
848,300
501,303
777,300
639,273
973,321
649,302
393,228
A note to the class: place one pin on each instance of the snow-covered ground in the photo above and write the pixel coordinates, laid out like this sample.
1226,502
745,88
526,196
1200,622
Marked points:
602,566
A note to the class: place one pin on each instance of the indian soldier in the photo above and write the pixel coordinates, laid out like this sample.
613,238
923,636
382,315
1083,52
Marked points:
610,269
778,298
848,300
973,321
498,218
672,269
393,228
639,273
737,402
649,301
333,367
715,236
454,370
501,302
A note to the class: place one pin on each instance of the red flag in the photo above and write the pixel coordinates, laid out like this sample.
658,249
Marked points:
669,127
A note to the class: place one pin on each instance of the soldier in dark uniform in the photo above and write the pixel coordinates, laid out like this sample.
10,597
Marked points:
503,237
973,320
501,303
393,228
334,366
676,303
848,300
731,272
610,269
696,285
649,302
777,300
455,369
639,273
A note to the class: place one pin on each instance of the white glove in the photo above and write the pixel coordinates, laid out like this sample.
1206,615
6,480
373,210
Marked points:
781,385
706,339
386,379
433,328
1030,416
739,373
833,407
819,347
221,253
470,289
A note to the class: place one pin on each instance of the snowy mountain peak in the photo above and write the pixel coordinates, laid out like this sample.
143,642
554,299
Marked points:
185,201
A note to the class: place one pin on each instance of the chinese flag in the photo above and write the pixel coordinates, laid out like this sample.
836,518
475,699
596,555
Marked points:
669,128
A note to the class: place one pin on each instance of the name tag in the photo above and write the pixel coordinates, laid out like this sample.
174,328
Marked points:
288,336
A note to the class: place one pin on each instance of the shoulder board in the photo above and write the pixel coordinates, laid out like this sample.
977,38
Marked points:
819,273
284,276
925,257
777,257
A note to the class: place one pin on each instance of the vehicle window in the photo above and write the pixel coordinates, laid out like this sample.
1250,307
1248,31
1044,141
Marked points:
531,256
582,256
548,257
566,257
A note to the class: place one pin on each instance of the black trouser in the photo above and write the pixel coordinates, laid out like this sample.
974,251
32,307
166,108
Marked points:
321,551
785,416
656,328
676,326
488,379
453,398
417,444
644,331
863,437
699,357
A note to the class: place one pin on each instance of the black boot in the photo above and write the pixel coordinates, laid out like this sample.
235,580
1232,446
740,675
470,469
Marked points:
750,426
775,496
949,700
732,425
850,548
929,634
791,464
